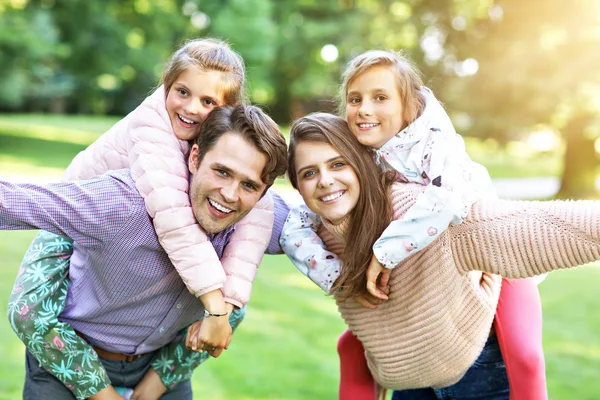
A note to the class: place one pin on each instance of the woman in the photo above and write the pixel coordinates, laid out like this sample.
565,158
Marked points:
434,331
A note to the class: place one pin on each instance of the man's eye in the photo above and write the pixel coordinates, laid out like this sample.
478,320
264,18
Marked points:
221,172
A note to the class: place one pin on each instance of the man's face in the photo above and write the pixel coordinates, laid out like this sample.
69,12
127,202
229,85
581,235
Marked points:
227,183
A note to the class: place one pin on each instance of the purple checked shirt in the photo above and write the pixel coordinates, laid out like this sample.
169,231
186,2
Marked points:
125,296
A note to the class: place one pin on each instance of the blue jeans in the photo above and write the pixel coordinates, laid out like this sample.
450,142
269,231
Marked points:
485,380
40,384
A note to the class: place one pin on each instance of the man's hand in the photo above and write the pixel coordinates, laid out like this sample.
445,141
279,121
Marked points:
108,393
150,387
213,334
376,271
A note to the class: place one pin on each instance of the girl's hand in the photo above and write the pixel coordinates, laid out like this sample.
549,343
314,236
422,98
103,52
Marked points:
376,271
150,387
368,301
108,393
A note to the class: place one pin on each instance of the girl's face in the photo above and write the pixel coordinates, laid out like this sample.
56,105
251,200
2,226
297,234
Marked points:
192,96
327,183
374,108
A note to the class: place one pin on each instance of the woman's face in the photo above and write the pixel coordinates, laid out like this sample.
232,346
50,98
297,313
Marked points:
327,183
374,107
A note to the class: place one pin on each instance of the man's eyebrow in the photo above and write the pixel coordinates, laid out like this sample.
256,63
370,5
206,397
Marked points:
218,165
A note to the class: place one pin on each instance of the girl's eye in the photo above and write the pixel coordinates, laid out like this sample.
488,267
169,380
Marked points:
209,102
354,100
380,98
182,92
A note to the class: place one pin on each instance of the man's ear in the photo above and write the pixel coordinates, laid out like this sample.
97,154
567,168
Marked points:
193,159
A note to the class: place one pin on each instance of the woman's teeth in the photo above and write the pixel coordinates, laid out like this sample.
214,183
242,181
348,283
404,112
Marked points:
332,196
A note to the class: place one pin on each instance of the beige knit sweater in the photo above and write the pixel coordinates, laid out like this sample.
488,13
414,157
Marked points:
438,318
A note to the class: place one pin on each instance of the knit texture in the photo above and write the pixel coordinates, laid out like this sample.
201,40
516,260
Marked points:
438,316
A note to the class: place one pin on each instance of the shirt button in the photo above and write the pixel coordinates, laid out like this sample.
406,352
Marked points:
179,305
162,329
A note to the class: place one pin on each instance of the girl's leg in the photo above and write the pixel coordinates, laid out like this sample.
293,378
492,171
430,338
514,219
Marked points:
356,382
518,325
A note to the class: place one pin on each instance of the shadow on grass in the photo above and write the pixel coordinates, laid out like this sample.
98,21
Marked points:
39,152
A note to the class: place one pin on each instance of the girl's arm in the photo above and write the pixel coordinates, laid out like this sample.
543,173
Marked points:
37,299
159,169
452,182
301,243
245,250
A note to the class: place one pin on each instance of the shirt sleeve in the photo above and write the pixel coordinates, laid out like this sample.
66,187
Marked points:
73,209
174,363
281,210
37,299
450,176
305,248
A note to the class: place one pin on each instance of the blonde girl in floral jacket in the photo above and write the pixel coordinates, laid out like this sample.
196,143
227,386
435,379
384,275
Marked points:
388,109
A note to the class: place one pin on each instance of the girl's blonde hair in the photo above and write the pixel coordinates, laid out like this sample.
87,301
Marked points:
408,79
209,54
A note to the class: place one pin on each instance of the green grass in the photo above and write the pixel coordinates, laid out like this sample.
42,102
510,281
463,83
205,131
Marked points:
285,349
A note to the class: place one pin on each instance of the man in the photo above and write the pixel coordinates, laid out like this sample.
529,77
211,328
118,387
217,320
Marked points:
124,297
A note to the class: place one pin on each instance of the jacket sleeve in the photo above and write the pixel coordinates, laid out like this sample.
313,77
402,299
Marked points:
37,299
245,250
158,166
451,179
301,243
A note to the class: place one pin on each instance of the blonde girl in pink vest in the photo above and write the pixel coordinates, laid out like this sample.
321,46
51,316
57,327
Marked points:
153,140
388,109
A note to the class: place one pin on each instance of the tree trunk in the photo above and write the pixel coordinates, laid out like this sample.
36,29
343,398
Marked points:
579,175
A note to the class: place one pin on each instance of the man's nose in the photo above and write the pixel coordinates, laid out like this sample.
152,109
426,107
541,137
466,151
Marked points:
230,192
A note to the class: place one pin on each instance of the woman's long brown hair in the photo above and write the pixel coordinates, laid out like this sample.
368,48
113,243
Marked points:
373,211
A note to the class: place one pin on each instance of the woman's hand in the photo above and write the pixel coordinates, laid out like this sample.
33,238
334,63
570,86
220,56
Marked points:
367,300
376,271
150,387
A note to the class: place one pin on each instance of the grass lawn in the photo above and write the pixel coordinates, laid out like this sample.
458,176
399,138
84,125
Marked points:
285,349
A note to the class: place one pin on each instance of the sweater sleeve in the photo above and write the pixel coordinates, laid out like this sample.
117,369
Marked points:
158,166
519,239
450,176
301,243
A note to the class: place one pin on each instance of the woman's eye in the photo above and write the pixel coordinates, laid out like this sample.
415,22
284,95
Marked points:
338,164
308,174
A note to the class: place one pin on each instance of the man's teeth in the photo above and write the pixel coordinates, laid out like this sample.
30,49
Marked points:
219,207
187,121
332,196
368,125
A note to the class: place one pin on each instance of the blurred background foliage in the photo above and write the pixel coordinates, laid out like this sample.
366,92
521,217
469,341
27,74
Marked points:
507,70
